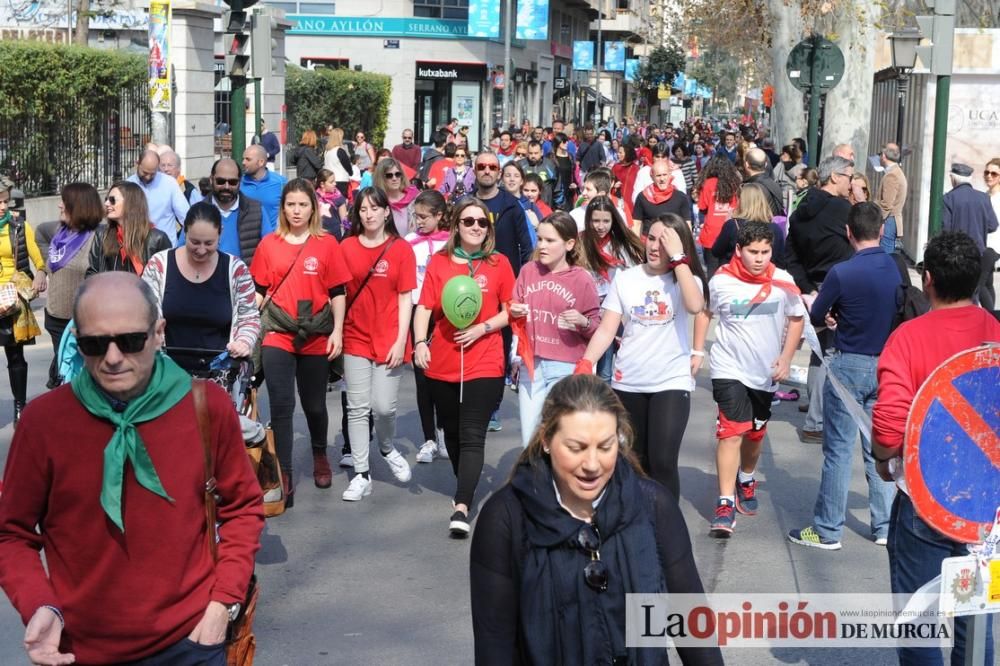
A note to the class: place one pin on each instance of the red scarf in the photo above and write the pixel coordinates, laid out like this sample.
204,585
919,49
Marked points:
136,264
656,196
508,151
603,245
736,269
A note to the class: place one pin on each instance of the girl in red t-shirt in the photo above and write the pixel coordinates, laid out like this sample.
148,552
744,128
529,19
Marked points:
465,399
300,272
383,273
719,186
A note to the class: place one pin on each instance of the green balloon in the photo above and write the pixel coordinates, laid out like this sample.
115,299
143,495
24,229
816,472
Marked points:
461,300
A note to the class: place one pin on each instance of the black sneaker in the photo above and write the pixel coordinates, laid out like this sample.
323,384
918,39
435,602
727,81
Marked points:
459,525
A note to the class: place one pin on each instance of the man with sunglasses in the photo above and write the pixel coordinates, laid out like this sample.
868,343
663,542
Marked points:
121,512
242,219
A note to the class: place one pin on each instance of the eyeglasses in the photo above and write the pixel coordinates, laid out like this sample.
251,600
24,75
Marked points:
991,174
487,167
460,155
97,345
231,182
407,138
468,222
394,174
595,574
111,200
841,173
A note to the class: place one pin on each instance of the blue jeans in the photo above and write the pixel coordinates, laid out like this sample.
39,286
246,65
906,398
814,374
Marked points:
888,242
857,373
606,364
531,392
185,653
915,554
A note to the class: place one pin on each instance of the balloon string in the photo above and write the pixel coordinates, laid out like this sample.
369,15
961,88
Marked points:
461,376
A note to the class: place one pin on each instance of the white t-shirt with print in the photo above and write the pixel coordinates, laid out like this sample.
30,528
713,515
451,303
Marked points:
749,337
423,251
655,354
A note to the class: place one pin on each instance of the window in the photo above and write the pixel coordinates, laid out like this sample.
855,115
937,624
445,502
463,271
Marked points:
446,9
322,8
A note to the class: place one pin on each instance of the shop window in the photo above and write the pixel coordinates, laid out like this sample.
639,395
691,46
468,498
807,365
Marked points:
321,8
448,9
287,7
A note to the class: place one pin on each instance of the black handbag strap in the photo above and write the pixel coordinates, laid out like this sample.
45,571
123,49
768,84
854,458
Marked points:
371,271
270,295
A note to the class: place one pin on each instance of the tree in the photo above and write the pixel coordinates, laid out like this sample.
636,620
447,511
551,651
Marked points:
661,66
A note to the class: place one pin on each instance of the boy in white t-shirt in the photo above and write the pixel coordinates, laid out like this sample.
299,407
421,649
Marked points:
755,302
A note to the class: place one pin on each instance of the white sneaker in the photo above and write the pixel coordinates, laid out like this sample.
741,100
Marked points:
426,452
359,487
397,463
346,460
442,450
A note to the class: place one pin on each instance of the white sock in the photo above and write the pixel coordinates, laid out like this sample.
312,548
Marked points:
731,498
743,477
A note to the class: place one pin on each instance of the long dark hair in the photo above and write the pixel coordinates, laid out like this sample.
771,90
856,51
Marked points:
578,393
672,221
377,198
729,178
623,242
135,224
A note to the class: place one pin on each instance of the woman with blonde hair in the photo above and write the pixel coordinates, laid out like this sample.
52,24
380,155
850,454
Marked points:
128,239
391,179
300,274
753,206
307,160
337,159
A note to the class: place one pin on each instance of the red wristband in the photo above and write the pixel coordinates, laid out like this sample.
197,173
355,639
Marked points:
583,367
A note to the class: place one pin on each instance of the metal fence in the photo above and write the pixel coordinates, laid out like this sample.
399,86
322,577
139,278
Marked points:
97,145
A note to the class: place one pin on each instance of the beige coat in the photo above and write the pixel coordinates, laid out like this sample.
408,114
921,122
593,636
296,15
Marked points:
891,195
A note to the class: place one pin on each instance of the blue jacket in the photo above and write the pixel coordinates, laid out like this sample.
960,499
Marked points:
969,210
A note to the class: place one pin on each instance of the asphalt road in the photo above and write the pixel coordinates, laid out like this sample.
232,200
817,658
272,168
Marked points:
379,581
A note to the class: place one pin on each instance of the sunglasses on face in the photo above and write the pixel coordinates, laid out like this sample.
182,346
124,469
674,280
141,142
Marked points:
468,222
595,574
459,154
111,199
394,174
231,182
97,345
487,167
992,174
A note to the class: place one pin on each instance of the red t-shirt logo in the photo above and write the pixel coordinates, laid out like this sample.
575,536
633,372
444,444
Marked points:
311,264
382,266
482,281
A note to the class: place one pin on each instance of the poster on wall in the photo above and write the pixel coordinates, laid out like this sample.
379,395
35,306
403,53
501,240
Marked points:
614,56
465,105
159,56
631,69
484,18
583,55
532,19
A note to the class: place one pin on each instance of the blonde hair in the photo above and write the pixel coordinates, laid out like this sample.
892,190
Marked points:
753,204
304,186
334,138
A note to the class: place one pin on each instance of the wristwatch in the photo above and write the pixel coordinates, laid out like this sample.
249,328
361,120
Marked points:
678,259
486,327
234,611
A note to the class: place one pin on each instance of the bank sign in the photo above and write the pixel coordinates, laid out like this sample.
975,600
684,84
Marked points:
427,28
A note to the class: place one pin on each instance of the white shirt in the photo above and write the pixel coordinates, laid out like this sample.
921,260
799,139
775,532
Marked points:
656,352
749,337
423,251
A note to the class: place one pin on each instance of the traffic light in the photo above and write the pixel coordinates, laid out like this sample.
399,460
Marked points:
261,46
236,42
940,30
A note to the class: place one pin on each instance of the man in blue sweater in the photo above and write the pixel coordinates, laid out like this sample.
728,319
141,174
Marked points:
262,185
858,300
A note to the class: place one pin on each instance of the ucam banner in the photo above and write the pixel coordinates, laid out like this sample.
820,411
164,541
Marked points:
631,69
532,19
484,18
583,55
614,56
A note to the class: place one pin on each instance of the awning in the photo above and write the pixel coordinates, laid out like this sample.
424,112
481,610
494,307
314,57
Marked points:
592,94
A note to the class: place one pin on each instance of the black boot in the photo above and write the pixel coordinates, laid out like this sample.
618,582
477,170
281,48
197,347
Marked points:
19,387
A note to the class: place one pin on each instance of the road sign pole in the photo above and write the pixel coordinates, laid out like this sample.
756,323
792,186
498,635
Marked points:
813,133
238,116
941,97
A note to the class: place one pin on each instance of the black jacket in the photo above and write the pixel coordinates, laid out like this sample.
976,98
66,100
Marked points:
19,247
157,241
774,197
817,238
307,162
248,221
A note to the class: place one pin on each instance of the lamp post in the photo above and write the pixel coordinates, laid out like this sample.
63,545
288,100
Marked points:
903,44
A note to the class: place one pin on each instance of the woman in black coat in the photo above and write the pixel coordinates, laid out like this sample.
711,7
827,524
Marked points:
307,159
575,529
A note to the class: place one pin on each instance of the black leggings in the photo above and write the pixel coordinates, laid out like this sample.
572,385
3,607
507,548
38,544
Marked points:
282,372
464,426
56,326
17,371
659,421
425,404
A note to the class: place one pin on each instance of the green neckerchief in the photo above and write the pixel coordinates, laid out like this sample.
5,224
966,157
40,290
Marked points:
7,217
478,254
167,386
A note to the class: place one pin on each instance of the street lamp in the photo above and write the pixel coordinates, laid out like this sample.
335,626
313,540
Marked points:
903,44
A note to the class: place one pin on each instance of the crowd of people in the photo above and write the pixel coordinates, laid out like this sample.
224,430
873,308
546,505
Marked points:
603,257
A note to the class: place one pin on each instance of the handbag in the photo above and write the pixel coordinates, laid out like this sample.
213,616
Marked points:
241,643
18,288
264,460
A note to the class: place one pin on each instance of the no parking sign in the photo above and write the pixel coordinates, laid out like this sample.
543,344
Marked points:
951,454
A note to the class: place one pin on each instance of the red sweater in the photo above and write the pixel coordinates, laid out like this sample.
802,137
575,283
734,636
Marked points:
124,596
913,352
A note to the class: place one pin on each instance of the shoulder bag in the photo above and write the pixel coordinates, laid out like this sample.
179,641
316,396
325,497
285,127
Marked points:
241,643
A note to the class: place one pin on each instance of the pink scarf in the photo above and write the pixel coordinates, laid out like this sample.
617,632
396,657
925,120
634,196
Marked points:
409,194
429,238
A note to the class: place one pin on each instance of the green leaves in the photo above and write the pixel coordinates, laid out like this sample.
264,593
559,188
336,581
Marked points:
340,97
42,79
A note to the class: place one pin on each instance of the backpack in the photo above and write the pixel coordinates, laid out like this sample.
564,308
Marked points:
910,301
